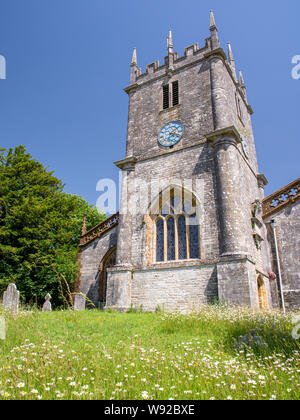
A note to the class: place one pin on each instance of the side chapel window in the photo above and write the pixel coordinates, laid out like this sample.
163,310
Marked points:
177,228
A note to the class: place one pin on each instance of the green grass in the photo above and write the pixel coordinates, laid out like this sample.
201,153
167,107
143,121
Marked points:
97,355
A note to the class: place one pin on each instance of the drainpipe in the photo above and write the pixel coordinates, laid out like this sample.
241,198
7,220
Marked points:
274,225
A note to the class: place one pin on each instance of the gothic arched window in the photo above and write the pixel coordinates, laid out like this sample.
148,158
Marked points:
193,236
160,248
176,227
171,238
182,242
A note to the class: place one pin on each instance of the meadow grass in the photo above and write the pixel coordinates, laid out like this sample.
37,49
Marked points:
96,355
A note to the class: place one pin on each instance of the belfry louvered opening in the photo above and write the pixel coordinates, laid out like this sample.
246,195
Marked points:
171,95
166,101
175,93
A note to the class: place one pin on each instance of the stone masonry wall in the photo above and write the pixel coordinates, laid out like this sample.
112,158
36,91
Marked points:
181,288
190,164
288,237
90,259
146,114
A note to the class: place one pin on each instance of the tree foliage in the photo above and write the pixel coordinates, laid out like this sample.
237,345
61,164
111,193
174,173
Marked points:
40,227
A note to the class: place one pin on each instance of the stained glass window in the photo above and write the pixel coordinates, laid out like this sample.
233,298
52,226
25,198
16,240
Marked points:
177,204
160,240
180,234
173,201
171,239
187,206
194,237
165,211
182,254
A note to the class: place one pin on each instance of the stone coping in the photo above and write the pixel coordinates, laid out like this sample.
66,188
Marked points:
184,264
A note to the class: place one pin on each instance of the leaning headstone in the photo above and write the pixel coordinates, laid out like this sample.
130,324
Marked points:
79,303
11,298
47,307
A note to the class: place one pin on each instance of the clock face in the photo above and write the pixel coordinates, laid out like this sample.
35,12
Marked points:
171,134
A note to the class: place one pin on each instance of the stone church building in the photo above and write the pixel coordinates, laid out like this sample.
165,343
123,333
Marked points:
194,226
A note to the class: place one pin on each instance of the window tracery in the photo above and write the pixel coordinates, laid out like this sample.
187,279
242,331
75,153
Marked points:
176,227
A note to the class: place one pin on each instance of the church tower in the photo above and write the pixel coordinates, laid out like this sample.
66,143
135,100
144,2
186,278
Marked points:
190,228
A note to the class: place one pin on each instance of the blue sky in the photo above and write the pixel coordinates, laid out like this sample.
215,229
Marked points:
69,60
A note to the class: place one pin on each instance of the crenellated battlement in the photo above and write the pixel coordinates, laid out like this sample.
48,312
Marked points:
172,61
192,55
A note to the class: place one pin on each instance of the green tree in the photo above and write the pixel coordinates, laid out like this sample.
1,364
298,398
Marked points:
40,227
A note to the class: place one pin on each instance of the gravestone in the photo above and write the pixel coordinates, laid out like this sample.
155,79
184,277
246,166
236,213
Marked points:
47,307
79,303
11,298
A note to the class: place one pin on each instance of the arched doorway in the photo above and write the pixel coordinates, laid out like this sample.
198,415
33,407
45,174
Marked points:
109,260
262,293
